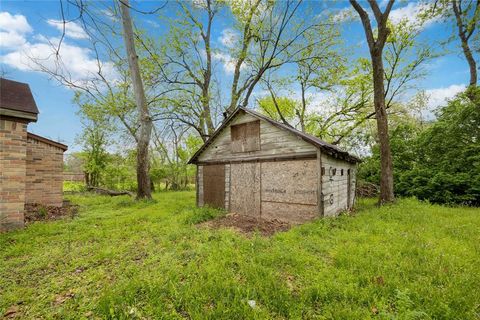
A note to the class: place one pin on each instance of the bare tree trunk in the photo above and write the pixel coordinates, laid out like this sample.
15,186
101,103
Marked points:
145,121
208,73
465,31
301,115
376,52
247,38
386,164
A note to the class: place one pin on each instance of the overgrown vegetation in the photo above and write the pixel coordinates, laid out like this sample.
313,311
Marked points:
122,259
439,162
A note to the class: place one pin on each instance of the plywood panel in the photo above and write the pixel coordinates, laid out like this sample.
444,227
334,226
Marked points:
294,213
214,185
245,188
253,136
290,181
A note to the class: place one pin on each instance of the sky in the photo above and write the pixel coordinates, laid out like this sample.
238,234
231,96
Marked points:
26,27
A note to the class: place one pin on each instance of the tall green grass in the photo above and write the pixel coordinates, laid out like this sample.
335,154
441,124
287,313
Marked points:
121,259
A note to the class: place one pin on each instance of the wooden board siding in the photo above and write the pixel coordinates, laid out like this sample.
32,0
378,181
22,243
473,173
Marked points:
273,142
335,187
200,186
214,185
227,186
245,188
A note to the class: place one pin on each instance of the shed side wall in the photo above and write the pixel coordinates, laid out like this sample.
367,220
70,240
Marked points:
335,187
200,186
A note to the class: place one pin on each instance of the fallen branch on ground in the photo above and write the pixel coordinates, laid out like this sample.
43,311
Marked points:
111,193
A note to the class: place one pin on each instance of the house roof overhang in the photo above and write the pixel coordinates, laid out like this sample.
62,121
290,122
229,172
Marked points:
16,101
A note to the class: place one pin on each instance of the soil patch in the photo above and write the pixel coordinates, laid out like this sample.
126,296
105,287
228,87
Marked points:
39,212
248,225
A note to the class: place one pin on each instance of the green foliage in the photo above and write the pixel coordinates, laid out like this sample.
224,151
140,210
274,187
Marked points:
125,260
119,173
73,186
286,106
197,215
441,163
42,212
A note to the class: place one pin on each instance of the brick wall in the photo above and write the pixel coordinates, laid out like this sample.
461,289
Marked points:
13,145
44,173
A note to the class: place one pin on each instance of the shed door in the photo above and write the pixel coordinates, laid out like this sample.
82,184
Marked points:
214,185
245,188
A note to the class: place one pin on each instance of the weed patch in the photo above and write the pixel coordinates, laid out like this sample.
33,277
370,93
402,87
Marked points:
119,259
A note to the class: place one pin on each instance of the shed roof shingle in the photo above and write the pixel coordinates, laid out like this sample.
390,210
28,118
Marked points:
16,96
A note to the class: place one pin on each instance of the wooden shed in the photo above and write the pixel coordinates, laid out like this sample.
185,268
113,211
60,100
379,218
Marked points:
253,165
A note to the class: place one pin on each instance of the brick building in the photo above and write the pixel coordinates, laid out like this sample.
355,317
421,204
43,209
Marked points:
31,167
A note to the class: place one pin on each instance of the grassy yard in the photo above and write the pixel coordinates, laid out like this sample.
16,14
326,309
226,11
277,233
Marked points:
124,260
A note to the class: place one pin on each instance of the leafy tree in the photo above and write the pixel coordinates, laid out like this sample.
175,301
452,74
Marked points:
439,162
465,15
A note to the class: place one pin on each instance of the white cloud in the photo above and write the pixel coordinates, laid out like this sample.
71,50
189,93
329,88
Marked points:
152,23
229,38
75,63
16,23
72,29
410,12
344,15
439,96
228,61
11,40
13,29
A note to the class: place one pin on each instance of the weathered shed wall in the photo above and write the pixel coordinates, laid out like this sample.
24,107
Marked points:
199,186
273,141
335,185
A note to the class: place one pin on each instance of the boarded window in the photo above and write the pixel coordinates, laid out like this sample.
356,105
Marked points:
214,185
245,136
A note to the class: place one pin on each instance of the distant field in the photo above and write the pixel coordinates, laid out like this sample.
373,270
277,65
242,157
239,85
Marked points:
124,260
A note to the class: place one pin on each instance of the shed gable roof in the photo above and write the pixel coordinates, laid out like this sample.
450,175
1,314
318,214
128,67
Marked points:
17,96
324,146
